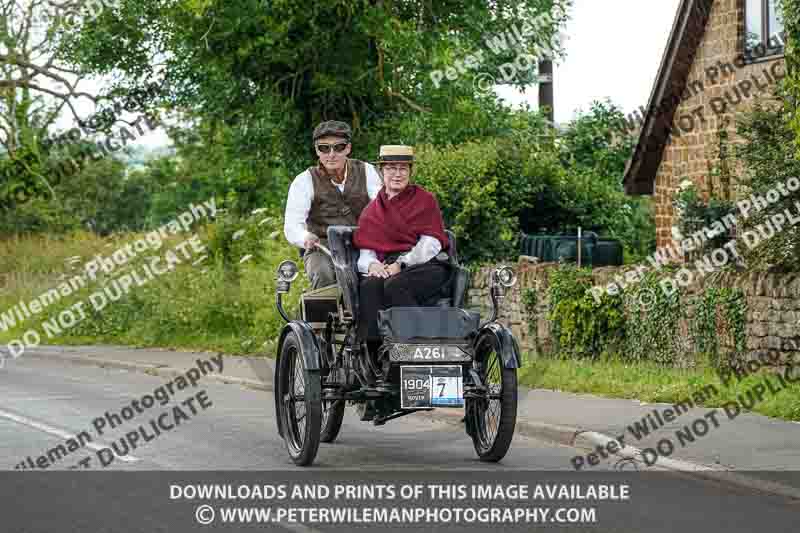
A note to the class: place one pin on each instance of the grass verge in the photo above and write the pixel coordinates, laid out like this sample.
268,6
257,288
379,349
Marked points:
219,299
650,382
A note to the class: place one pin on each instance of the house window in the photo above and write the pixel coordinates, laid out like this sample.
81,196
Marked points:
764,31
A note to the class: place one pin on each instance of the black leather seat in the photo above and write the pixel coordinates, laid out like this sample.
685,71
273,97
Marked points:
345,257
340,240
452,294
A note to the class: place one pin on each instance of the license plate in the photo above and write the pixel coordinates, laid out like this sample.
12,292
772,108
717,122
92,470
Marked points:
431,386
428,353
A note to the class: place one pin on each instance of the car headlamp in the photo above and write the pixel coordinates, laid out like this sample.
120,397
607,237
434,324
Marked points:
288,271
506,276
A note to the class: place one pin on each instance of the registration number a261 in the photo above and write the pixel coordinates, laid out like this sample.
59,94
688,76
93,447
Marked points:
428,353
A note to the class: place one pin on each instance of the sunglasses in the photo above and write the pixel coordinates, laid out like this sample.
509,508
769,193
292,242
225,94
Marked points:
326,148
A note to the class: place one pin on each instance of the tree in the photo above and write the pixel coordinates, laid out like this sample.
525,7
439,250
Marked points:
36,88
36,85
270,70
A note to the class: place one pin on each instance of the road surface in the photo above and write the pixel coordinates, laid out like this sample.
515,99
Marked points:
46,403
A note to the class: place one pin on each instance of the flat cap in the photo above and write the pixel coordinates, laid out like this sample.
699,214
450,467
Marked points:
333,127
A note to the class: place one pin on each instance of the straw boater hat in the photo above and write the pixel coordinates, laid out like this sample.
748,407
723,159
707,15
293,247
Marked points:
396,153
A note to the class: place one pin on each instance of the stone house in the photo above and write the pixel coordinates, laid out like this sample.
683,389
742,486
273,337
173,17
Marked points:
722,55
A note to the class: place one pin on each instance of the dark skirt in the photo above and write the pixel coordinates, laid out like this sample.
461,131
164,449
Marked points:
409,288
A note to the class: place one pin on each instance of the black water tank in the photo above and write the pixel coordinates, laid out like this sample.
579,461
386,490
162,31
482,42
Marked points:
594,251
608,252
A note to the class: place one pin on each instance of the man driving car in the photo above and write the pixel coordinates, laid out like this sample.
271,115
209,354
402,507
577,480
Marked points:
332,193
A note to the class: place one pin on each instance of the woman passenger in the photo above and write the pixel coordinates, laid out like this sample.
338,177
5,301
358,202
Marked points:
401,239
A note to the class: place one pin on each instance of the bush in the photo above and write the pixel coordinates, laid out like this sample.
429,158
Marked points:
769,159
580,325
653,323
481,188
582,176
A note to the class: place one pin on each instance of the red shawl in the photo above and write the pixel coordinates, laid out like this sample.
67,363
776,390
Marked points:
396,225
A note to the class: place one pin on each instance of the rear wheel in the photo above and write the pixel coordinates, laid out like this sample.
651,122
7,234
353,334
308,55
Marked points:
492,419
332,417
300,403
332,410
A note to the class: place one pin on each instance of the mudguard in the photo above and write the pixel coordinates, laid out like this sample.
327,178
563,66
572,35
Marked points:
311,357
509,348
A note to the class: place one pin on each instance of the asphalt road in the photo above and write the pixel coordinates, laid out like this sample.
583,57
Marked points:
44,403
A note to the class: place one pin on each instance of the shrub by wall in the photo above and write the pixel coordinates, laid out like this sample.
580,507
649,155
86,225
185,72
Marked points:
727,320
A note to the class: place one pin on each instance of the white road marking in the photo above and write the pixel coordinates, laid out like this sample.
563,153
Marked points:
59,433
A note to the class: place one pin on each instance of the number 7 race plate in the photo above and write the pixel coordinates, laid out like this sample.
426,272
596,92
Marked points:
431,386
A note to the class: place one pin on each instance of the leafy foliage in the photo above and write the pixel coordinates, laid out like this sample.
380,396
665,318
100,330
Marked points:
694,215
271,71
653,320
719,311
769,159
584,187
529,177
482,187
580,325
193,306
791,19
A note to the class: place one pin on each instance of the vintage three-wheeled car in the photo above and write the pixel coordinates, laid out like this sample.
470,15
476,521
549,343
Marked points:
436,355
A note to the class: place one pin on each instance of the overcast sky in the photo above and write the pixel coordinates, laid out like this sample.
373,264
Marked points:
613,47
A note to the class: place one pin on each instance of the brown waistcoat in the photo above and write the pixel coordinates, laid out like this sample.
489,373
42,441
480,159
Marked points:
333,208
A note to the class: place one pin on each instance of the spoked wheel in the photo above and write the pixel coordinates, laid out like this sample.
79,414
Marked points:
492,419
300,403
332,417
332,410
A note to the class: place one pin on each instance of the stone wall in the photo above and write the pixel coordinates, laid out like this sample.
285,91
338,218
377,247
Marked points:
691,152
773,308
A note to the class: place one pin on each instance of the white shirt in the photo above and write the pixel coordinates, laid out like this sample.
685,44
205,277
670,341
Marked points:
301,194
427,248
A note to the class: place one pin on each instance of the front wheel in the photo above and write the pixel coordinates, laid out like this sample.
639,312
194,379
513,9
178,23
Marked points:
300,403
491,419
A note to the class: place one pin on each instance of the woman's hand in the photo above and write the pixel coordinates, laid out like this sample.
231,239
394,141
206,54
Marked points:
377,270
393,269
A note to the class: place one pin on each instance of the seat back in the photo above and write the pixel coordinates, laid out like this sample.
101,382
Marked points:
345,254
345,257
454,293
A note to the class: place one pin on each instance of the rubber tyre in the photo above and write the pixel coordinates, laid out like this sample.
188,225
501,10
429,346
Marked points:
302,440
479,413
332,419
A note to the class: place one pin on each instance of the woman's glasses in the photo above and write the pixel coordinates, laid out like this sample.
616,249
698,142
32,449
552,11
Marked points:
326,148
396,169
